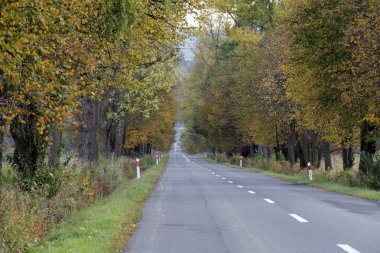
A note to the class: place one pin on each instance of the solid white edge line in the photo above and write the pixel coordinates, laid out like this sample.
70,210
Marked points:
297,217
240,186
251,192
230,182
348,248
187,159
269,201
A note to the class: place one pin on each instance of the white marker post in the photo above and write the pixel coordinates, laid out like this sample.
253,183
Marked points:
157,159
138,167
241,161
310,171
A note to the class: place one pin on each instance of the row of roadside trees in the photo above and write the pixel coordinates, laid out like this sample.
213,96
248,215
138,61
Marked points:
101,71
299,79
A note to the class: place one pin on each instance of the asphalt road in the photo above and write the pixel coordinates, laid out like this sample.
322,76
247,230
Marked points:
202,207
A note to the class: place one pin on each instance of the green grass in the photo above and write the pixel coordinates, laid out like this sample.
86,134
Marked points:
106,225
317,182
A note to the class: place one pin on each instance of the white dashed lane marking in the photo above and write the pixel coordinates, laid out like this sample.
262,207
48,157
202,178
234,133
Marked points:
230,182
240,186
197,165
223,178
251,192
348,248
297,217
269,201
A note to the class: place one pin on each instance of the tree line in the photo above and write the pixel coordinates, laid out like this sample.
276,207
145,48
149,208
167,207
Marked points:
100,70
298,79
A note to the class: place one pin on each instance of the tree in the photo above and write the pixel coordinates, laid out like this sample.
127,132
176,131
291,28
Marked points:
37,84
315,68
360,85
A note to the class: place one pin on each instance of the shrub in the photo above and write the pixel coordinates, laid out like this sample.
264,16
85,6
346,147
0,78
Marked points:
370,175
276,167
47,181
261,162
18,218
235,159
55,193
8,176
221,157
349,178
146,161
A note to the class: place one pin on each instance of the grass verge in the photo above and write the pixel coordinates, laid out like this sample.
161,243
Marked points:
324,184
362,193
107,225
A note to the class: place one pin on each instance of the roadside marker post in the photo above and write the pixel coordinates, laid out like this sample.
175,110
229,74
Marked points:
157,159
138,167
241,161
310,171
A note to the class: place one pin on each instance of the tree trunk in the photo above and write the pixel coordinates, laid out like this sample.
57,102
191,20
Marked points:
305,151
106,141
327,155
264,152
315,149
2,130
277,150
291,142
300,155
269,153
54,152
253,150
310,146
88,141
320,154
142,148
119,138
30,146
149,147
348,157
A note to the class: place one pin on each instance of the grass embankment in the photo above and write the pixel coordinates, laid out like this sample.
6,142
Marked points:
107,225
317,182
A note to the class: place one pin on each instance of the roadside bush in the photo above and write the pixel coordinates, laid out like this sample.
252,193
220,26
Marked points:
235,160
18,218
221,157
261,162
147,161
248,162
348,178
8,176
276,167
27,216
47,181
129,168
371,171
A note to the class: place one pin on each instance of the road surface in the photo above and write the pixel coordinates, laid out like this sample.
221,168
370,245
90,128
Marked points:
202,207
